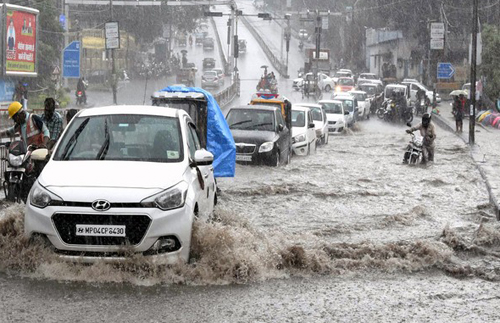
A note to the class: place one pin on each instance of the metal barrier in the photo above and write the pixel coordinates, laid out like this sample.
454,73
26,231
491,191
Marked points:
221,51
278,65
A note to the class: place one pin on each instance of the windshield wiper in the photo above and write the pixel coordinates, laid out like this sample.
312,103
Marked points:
72,142
105,146
241,122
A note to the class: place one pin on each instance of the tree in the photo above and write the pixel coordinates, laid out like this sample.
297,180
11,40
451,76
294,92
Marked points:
490,66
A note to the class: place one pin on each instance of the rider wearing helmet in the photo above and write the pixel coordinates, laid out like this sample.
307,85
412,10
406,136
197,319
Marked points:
28,126
428,132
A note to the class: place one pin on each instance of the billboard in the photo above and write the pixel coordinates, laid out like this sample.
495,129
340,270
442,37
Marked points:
19,40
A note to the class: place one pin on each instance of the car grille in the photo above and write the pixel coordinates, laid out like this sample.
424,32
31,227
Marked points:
332,122
136,227
245,149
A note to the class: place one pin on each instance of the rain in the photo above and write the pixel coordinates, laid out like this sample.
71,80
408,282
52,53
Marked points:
345,233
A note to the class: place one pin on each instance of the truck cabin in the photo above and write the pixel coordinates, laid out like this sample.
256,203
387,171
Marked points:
193,103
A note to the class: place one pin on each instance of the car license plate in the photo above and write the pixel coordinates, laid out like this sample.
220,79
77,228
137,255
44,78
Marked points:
244,157
96,230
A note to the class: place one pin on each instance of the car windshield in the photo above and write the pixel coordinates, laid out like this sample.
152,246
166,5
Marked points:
390,90
359,96
348,104
370,90
298,118
346,81
316,114
332,108
122,137
251,119
342,74
368,76
210,73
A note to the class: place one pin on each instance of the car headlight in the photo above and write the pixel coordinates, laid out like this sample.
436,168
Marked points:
171,198
16,161
265,147
299,138
41,197
338,89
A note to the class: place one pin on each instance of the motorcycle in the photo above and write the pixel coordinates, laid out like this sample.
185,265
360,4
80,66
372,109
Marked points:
407,114
79,98
420,107
24,165
413,152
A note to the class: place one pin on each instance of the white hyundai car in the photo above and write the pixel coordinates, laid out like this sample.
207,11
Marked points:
121,180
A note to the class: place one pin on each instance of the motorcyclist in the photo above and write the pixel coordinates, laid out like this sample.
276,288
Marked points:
190,40
28,126
81,86
420,96
402,105
428,132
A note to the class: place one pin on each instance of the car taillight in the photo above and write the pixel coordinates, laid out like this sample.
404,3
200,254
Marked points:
79,92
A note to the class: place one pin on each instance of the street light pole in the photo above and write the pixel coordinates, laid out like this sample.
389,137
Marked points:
113,70
472,115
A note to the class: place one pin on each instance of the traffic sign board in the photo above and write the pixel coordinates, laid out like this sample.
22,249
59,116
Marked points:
437,30
71,60
112,32
445,71
437,43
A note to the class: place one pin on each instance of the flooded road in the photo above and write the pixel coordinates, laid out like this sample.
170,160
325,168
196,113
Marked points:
341,235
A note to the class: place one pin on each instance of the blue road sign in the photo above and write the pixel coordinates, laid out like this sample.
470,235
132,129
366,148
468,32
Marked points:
445,71
62,21
71,60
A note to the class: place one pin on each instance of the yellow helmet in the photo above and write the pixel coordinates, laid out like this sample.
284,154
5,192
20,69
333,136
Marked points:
14,108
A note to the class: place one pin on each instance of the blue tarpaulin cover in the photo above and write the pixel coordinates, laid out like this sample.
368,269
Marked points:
220,141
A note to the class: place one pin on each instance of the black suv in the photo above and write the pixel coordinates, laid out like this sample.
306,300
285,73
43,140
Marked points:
208,43
209,62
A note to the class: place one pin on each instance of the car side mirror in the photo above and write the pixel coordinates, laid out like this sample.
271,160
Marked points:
281,127
311,125
203,157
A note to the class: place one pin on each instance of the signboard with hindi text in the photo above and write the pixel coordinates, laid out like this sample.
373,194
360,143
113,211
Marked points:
19,40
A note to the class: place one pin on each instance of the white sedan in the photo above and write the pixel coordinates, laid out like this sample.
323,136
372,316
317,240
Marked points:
363,104
122,180
326,83
336,115
320,121
303,132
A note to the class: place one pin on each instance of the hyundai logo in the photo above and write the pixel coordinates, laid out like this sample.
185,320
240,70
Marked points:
101,205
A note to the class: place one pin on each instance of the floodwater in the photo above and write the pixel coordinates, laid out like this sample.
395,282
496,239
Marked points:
344,234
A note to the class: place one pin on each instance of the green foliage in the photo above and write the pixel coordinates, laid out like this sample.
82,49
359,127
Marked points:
49,41
490,66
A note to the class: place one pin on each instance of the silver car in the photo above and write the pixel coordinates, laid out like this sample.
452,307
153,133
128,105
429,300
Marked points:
210,79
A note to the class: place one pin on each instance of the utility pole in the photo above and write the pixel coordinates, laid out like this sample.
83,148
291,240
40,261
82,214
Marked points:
472,115
113,70
318,47
288,34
